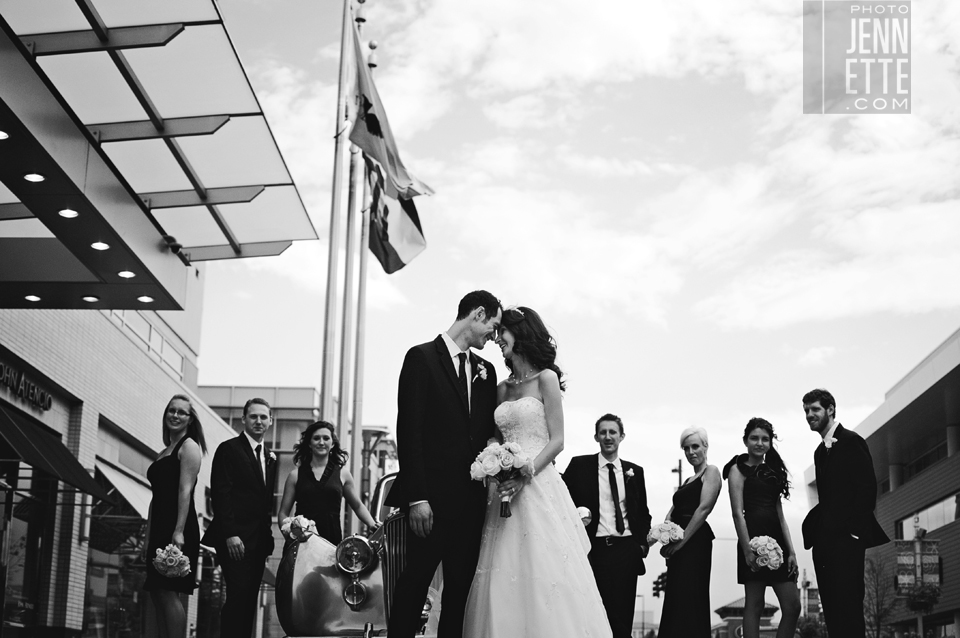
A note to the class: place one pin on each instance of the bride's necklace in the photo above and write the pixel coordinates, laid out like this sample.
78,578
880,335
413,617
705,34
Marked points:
529,374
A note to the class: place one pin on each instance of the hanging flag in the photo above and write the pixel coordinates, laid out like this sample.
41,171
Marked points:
395,233
371,131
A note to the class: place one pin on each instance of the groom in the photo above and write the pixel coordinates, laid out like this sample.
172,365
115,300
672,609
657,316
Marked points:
842,525
445,405
614,492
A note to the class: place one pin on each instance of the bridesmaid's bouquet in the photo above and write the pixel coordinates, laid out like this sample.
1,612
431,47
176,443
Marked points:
171,562
501,462
298,528
768,551
666,533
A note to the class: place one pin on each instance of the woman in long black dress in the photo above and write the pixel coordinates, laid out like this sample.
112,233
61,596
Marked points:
319,481
173,515
686,597
757,481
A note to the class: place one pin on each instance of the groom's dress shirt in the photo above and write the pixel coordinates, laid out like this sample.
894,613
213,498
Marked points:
829,435
608,516
455,355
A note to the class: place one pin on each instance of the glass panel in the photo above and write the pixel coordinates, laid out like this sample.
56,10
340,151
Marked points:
43,16
137,325
192,226
241,153
276,215
117,13
93,87
148,165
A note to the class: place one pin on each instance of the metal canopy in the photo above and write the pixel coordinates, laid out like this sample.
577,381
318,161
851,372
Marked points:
150,141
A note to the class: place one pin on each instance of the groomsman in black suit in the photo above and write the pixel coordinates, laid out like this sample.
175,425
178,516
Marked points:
842,525
241,483
614,492
445,405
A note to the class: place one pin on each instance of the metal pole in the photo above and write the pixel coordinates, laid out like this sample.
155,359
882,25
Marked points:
343,407
330,310
356,452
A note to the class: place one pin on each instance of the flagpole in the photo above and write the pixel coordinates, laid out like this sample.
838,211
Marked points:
330,309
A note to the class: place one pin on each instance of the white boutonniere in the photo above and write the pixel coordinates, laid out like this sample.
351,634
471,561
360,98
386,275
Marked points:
629,473
271,457
828,442
481,371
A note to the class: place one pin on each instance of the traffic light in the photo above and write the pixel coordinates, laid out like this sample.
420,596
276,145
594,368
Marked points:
659,584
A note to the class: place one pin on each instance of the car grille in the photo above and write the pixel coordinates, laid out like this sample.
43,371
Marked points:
394,556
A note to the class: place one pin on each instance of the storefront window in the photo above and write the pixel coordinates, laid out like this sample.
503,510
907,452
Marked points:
27,504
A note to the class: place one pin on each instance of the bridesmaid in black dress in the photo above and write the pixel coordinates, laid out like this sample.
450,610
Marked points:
686,597
757,481
320,480
173,515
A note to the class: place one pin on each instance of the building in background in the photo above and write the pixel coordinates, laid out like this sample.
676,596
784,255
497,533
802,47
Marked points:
914,437
121,173
731,616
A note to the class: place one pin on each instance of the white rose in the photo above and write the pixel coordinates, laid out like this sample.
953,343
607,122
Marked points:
506,460
476,471
513,447
763,561
490,465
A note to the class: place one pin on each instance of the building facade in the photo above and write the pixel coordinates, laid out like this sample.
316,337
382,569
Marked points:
914,438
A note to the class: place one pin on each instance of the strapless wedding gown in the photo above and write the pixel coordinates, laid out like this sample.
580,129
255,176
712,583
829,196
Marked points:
533,578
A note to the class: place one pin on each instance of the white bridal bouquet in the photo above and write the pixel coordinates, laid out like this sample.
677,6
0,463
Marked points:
768,551
171,562
298,528
666,533
501,462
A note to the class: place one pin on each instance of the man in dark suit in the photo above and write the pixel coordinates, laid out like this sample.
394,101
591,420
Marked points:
618,523
241,483
842,525
445,405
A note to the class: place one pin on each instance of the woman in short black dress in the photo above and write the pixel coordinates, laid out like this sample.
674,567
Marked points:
686,597
757,481
319,481
173,515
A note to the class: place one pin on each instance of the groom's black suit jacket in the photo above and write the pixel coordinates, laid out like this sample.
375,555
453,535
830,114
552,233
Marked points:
437,436
583,480
847,489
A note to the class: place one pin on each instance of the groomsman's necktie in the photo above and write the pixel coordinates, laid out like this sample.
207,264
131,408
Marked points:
463,373
260,463
616,498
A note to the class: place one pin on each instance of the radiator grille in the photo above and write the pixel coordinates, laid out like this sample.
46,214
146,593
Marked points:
394,556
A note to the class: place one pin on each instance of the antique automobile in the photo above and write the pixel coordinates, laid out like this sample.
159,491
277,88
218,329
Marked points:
346,590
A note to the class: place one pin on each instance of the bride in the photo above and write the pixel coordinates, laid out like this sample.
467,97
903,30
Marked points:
533,577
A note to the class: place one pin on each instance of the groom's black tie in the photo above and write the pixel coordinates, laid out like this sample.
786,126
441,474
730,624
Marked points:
616,498
463,373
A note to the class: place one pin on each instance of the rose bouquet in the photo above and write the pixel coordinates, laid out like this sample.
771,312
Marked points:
768,551
666,533
501,462
298,528
171,562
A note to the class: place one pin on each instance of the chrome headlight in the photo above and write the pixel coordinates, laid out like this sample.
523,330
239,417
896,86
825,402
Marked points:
354,554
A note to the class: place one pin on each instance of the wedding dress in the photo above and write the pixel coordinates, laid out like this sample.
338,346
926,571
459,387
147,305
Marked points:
533,578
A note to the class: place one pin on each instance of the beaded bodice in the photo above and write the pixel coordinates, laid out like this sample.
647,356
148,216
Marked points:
523,422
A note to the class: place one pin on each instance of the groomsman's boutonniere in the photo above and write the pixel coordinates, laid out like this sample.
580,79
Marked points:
481,371
828,442
628,474
271,457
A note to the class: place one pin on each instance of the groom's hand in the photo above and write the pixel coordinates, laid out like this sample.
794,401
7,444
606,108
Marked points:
421,519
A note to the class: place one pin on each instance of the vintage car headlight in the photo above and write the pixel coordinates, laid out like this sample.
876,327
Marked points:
354,554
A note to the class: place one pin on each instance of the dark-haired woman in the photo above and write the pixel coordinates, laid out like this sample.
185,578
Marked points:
758,479
533,578
319,482
173,514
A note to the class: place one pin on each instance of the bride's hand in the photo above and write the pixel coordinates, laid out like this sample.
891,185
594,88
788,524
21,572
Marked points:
510,487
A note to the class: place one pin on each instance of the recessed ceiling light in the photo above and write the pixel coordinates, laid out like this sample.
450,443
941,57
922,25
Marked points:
34,177
4,136
32,298
99,245
91,298
145,299
126,274
69,213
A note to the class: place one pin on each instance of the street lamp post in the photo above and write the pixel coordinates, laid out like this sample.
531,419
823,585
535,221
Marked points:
679,471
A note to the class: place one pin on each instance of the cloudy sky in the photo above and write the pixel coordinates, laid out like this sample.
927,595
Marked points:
641,174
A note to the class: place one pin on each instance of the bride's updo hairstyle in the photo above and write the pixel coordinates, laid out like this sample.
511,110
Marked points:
532,340
773,459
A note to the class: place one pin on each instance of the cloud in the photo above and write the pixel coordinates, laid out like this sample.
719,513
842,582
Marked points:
816,356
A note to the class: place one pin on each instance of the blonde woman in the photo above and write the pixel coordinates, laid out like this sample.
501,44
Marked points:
686,597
